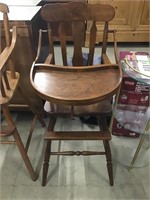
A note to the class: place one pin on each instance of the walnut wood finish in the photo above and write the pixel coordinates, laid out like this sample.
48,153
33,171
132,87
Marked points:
76,90
9,83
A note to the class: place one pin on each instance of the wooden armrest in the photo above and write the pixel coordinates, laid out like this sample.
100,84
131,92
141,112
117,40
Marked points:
105,58
49,59
6,53
39,45
115,45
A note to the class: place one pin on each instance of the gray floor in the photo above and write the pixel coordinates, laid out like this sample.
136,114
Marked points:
74,178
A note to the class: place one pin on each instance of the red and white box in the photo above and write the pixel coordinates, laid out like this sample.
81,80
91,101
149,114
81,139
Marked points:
134,93
134,100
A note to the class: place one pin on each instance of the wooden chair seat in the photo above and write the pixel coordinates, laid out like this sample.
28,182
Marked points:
59,109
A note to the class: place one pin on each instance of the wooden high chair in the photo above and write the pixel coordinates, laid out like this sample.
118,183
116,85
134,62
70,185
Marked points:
76,90
9,84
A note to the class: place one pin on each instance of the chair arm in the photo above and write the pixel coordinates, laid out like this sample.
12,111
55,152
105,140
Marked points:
14,37
6,53
39,46
105,58
115,45
49,58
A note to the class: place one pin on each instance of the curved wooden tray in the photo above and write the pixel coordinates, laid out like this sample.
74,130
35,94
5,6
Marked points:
75,85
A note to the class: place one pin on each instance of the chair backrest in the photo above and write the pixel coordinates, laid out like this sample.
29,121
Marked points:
7,71
78,14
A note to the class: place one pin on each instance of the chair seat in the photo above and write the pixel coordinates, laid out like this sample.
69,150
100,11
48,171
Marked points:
94,109
13,85
76,86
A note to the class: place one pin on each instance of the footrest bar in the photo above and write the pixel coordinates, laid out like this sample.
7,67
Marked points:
78,153
78,135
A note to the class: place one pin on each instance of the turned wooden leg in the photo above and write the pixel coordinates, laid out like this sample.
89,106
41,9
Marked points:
104,127
109,162
46,162
51,125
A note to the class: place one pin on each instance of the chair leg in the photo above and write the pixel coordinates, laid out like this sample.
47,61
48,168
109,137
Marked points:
104,127
109,162
52,121
102,122
7,116
51,125
19,143
30,133
46,162
24,155
31,106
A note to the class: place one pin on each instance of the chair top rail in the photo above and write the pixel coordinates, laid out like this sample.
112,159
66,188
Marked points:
97,12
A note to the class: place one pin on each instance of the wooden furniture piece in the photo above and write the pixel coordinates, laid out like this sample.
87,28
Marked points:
23,54
131,20
9,84
76,90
